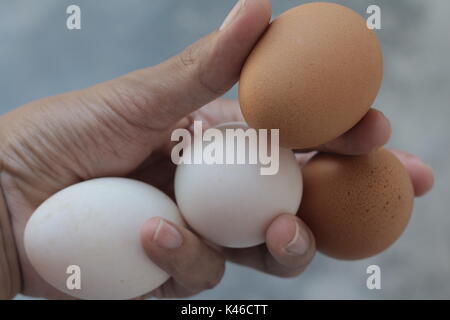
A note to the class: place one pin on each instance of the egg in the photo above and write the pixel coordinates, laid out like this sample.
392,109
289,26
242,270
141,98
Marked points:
314,74
233,204
93,228
356,206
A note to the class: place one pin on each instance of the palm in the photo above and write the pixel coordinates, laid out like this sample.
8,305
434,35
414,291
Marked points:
46,177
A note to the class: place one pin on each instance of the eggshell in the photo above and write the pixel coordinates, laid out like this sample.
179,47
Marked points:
233,204
96,225
313,75
356,206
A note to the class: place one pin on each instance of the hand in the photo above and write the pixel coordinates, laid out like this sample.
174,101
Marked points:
122,128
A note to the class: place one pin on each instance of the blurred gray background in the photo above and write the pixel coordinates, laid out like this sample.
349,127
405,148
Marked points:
40,57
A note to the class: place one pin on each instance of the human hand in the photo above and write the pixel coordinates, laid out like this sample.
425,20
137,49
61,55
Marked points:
122,128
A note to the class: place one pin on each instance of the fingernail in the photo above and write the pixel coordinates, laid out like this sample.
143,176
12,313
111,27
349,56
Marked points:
233,14
299,244
165,235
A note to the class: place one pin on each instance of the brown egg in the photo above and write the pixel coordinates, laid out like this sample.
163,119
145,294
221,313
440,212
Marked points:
313,75
356,206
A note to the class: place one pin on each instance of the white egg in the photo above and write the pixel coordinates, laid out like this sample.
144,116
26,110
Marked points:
95,226
233,204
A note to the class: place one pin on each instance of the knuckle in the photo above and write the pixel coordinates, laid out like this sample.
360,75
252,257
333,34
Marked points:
128,102
201,278
216,277
290,269
197,66
187,57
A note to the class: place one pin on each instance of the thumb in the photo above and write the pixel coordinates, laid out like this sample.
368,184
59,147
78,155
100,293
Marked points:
163,94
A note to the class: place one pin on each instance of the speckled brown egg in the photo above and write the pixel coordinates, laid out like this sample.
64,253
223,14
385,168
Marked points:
313,74
356,206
